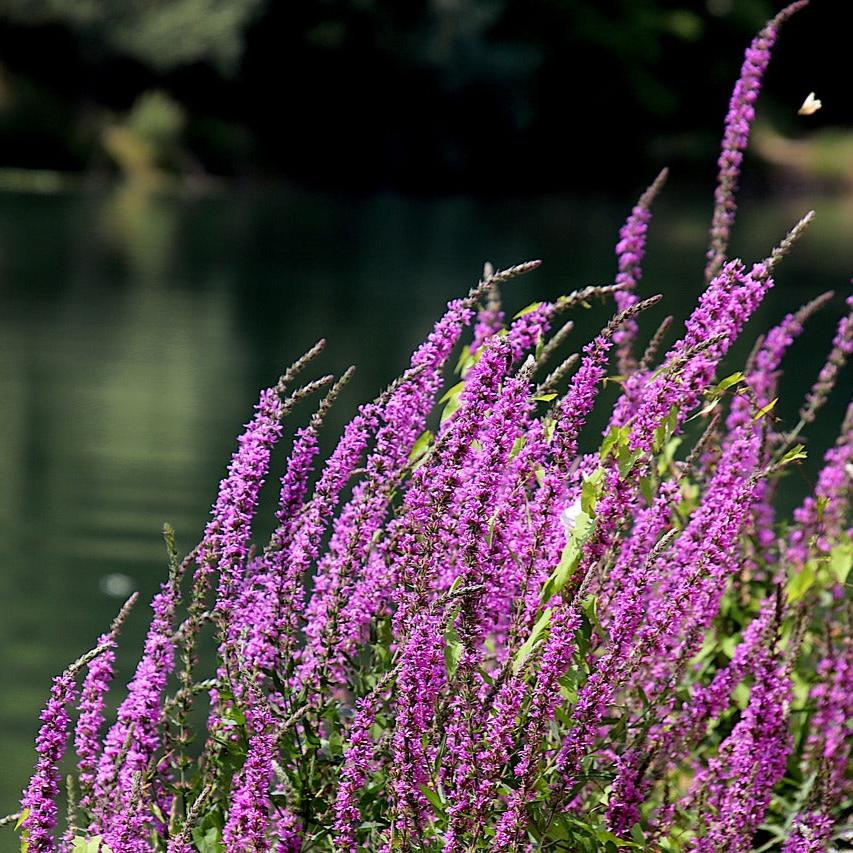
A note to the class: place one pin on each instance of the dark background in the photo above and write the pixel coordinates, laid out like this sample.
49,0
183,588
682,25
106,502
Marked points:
429,96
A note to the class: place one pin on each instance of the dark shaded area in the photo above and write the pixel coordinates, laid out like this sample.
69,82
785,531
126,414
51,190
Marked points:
429,96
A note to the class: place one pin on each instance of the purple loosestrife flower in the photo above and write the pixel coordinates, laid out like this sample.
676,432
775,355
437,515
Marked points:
498,743
833,489
295,560
833,695
347,595
490,318
547,538
736,135
419,630
229,530
247,825
738,782
628,583
669,743
358,758
39,800
663,628
556,658
510,535
528,329
723,309
828,747
87,734
811,833
629,253
842,349
268,588
286,830
762,380
731,492
136,733
478,499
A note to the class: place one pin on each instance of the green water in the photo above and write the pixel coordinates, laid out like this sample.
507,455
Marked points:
135,332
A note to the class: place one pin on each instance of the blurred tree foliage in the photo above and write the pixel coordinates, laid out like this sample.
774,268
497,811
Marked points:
423,94
161,34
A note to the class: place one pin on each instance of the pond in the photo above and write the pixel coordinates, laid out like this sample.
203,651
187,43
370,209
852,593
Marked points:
135,332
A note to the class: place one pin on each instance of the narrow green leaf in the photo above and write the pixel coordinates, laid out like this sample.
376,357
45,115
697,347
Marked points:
452,651
570,557
765,409
647,490
627,458
466,359
545,398
530,643
434,799
727,383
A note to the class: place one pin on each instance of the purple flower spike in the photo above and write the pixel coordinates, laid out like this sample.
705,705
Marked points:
736,135
246,830
39,800
629,253
87,739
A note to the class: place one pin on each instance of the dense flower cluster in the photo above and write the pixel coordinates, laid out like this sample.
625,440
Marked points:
470,631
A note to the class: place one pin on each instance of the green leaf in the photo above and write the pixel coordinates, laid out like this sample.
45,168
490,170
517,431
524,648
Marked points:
627,458
570,557
727,383
822,503
466,359
591,490
433,798
615,438
841,560
453,391
666,429
796,452
801,582
89,845
452,651
706,410
765,409
25,813
208,840
668,455
517,446
545,398
530,643
647,489
527,310
420,447
452,399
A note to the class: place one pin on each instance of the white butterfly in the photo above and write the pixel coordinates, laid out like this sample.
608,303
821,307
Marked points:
810,105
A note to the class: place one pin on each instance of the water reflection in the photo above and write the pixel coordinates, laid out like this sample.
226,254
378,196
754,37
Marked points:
136,330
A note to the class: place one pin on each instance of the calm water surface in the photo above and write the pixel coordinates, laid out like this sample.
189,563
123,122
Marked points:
136,331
